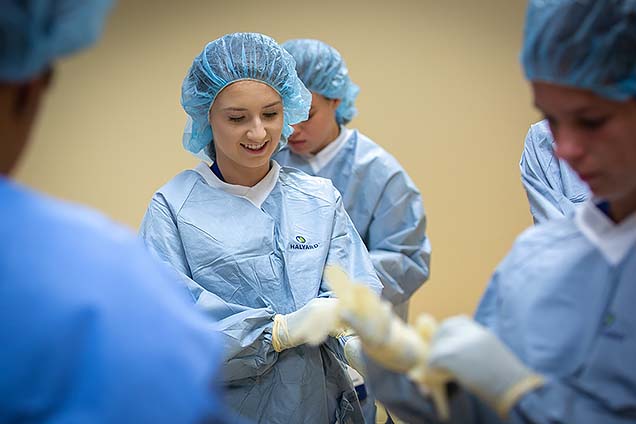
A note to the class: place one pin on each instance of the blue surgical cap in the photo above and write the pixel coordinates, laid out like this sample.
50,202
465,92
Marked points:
236,57
324,71
587,44
34,33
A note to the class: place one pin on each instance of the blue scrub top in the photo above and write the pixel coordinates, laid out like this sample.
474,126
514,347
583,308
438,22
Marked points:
92,328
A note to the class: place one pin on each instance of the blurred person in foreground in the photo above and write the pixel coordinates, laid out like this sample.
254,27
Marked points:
92,328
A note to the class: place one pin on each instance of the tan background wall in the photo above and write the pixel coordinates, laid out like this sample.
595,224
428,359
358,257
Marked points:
441,89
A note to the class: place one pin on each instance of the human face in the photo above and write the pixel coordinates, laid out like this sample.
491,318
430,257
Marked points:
247,121
320,129
597,137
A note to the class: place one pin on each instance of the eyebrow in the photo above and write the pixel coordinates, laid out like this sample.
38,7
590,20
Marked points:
574,111
272,104
242,109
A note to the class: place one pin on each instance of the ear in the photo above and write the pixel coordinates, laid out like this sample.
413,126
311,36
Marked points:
336,103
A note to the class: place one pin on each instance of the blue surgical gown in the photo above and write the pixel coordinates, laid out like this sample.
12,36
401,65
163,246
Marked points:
92,328
562,301
247,260
385,207
553,188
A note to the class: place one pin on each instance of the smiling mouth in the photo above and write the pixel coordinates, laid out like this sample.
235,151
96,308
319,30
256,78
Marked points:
255,147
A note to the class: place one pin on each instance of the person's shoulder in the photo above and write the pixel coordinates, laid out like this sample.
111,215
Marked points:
539,138
176,191
69,247
181,182
308,185
282,155
49,216
558,235
541,129
370,155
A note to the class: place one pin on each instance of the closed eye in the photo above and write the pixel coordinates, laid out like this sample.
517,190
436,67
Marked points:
592,123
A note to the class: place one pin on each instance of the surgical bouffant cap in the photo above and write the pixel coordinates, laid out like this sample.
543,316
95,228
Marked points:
323,71
34,33
236,57
587,44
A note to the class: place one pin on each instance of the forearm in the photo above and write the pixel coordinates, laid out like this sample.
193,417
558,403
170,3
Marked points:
247,345
401,275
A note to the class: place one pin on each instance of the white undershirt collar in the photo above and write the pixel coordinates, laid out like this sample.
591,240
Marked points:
613,240
323,157
256,195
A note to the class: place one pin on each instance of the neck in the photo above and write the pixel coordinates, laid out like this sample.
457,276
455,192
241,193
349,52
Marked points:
235,174
624,207
334,132
17,114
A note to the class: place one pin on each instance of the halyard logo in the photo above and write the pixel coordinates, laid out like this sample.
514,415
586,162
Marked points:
301,245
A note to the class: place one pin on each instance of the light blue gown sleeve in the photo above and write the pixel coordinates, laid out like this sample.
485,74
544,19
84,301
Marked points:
349,252
545,194
397,242
246,333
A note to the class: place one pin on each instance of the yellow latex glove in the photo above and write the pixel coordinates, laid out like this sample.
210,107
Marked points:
385,337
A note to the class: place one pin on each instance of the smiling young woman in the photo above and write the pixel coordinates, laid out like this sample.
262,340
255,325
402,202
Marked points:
247,122
251,239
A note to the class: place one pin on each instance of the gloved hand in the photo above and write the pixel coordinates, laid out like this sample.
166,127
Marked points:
481,362
384,336
310,324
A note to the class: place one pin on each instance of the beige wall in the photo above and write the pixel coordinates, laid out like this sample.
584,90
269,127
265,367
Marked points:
441,89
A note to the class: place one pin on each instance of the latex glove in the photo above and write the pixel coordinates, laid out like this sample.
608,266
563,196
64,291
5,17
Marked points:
310,324
481,363
386,338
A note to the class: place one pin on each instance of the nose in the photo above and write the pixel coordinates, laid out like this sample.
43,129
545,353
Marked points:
257,131
297,130
570,145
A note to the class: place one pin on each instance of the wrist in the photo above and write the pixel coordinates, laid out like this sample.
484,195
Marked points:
280,334
514,393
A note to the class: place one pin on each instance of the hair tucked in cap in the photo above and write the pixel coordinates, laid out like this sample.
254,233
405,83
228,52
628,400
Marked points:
587,44
323,70
34,33
236,57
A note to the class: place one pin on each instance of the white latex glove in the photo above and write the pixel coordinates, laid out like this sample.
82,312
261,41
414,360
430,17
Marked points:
310,324
481,362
